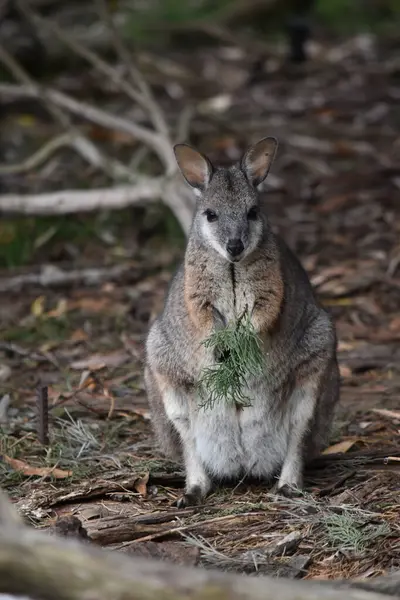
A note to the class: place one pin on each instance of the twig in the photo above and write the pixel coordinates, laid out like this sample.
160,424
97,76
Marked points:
164,532
183,127
95,115
138,157
150,105
83,110
38,157
43,415
336,484
36,356
85,148
94,157
76,47
24,78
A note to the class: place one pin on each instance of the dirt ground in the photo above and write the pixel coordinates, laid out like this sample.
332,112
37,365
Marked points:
334,195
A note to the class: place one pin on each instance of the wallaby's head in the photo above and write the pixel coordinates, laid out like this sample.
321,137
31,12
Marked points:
228,218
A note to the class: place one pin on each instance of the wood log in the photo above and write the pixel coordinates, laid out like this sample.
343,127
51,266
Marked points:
44,566
48,568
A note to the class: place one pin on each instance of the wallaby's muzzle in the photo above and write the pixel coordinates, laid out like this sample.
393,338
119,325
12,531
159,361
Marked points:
235,247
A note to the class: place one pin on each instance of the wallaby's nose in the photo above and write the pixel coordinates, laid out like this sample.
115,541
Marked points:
235,247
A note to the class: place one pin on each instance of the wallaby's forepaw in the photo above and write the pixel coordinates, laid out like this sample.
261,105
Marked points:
192,497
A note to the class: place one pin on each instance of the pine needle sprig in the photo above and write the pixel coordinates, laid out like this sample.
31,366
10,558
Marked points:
239,356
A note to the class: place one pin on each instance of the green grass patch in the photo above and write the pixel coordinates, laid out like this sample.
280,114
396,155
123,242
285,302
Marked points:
39,330
352,533
24,241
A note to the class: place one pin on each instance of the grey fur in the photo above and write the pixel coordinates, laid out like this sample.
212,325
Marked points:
293,402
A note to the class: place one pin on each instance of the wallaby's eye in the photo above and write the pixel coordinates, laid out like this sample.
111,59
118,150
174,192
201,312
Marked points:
253,213
211,215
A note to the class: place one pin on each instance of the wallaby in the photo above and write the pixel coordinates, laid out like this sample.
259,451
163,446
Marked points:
233,260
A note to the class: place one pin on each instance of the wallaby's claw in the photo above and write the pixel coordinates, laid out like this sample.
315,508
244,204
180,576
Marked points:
286,490
192,498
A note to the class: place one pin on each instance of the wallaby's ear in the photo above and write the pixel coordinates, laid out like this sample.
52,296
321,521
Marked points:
194,166
258,159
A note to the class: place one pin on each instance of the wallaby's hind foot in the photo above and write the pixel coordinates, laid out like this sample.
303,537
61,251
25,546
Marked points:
287,491
193,497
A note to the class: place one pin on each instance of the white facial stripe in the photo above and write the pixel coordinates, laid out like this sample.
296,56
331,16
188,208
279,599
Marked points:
208,235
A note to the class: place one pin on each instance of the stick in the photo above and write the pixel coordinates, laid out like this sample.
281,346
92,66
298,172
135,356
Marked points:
51,276
38,157
149,104
24,78
15,349
43,415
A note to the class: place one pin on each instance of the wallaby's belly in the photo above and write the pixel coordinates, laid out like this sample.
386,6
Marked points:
252,441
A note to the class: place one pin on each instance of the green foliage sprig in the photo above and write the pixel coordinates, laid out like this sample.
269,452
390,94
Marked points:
239,356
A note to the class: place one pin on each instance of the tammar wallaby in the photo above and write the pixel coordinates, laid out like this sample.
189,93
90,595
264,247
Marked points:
233,260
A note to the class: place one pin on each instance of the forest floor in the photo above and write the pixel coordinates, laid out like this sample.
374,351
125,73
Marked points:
334,195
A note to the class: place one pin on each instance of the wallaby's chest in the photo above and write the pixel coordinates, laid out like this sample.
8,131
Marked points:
234,293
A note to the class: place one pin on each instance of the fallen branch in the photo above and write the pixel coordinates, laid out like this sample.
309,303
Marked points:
51,276
73,140
78,48
49,567
86,111
170,189
144,91
173,192
93,114
74,201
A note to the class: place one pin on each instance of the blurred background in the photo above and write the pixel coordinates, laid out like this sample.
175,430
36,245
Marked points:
94,216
